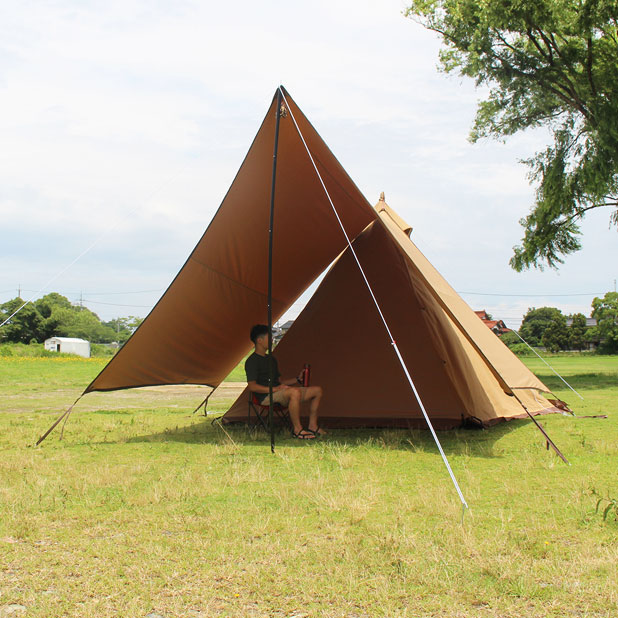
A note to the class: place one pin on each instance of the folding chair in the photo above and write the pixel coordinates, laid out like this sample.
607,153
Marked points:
281,414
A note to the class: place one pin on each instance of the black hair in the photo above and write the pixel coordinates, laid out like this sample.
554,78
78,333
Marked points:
257,331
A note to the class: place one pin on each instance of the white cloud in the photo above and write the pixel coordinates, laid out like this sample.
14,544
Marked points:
127,121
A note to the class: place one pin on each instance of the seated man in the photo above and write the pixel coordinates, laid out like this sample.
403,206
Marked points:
288,392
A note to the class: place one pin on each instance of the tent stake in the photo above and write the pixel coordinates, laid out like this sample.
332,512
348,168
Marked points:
270,278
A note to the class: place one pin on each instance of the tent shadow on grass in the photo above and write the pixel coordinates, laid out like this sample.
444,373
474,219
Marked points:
469,442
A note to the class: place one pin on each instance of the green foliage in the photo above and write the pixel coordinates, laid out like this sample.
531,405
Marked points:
606,505
24,326
98,350
556,335
605,310
521,349
536,321
54,315
550,64
123,327
577,332
21,350
592,336
510,339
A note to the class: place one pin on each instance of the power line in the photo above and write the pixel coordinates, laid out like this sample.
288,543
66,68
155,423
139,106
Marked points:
533,295
103,293
100,302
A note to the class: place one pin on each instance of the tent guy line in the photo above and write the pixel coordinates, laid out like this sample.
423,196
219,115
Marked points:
97,240
377,305
548,364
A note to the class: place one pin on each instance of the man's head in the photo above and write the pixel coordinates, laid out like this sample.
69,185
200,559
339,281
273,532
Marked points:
259,330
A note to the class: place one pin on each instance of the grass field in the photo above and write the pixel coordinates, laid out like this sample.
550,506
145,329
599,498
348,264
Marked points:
145,510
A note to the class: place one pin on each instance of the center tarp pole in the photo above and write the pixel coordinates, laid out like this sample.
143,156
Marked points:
270,279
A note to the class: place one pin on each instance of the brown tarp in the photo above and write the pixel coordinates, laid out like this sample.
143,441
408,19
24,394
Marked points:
197,332
460,368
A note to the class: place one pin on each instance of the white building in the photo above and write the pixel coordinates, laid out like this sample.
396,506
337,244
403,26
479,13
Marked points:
68,345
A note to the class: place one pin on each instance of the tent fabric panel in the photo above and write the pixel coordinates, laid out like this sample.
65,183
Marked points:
197,332
190,350
459,358
477,386
507,366
307,236
341,335
340,324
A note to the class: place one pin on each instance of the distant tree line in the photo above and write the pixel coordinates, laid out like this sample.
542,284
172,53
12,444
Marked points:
54,315
547,327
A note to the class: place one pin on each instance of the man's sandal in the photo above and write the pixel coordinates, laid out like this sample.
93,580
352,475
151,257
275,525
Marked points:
317,433
304,434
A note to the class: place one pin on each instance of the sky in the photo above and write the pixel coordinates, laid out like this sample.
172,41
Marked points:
123,123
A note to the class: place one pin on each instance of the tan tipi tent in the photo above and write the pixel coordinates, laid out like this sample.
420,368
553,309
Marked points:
461,369
198,331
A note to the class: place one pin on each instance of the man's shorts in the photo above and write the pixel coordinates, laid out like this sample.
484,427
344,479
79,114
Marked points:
283,396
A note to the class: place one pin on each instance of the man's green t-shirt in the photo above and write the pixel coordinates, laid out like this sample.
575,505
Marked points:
256,368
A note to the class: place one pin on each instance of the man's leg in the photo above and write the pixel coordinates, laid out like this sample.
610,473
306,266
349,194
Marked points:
313,394
291,397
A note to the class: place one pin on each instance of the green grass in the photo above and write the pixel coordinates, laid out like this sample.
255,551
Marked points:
143,508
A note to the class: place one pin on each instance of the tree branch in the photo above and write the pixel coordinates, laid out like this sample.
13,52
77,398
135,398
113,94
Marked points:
580,212
536,44
589,65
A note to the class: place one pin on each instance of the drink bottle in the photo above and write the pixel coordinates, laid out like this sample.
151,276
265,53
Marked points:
306,374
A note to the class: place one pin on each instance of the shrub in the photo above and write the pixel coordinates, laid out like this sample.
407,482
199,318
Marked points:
521,349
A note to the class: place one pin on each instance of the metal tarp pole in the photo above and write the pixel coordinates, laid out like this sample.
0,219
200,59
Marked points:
270,278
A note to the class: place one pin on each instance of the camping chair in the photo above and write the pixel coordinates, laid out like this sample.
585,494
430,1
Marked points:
281,413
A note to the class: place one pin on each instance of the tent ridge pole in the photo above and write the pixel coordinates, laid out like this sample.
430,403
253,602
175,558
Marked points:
270,275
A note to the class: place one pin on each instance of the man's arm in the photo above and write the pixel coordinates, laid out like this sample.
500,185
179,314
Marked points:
254,387
297,381
292,381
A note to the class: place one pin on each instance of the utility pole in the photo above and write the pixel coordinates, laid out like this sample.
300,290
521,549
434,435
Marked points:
19,289
614,285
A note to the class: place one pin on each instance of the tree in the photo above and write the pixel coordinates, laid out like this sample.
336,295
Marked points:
605,310
556,335
551,64
124,327
510,339
577,332
536,321
23,327
48,307
54,315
